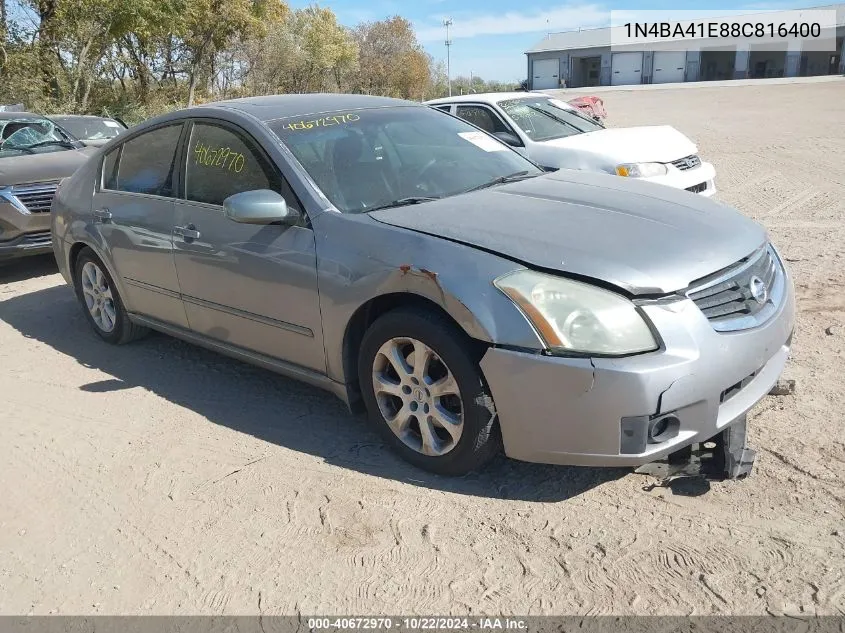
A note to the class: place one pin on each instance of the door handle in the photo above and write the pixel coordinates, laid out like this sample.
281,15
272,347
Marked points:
102,215
187,232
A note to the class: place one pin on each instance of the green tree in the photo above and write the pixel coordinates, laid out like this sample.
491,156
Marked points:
392,62
209,26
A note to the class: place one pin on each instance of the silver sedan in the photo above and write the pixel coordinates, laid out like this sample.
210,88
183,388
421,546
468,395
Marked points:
425,272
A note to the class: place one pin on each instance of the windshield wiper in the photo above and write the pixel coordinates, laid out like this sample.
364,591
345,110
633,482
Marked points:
402,202
501,180
66,144
552,116
19,148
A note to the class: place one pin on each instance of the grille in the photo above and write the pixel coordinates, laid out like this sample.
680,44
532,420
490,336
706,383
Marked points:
688,162
36,198
728,296
40,238
698,188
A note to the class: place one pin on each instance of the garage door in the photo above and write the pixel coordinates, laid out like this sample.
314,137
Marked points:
627,68
546,74
669,67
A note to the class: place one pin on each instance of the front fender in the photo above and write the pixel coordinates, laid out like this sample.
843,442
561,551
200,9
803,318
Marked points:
360,259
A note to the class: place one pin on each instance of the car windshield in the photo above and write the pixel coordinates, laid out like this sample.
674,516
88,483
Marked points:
31,136
93,129
392,156
544,119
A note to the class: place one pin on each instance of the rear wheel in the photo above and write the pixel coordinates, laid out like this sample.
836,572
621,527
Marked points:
425,393
101,302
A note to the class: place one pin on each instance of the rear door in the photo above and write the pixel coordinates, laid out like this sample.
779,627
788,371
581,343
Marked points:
133,210
251,286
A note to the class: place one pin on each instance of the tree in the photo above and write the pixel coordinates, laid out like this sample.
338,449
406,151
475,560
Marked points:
137,58
307,52
391,60
209,26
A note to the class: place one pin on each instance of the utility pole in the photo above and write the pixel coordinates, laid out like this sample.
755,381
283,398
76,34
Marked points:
447,23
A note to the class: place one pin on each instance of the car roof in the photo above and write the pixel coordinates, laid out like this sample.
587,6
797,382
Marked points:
65,117
282,106
17,116
487,97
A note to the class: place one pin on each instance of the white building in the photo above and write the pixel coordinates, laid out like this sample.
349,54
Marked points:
586,58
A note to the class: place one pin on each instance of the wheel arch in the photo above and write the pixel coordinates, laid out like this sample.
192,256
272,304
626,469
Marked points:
367,313
77,247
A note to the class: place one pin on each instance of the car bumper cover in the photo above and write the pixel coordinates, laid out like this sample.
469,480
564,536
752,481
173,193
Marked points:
23,233
600,411
700,180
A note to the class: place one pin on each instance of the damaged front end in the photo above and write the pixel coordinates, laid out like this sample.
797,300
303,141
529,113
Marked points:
726,455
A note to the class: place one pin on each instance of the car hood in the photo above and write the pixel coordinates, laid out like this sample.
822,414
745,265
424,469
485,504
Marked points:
647,144
645,238
16,170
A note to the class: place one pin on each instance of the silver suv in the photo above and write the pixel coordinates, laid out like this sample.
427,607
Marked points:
35,154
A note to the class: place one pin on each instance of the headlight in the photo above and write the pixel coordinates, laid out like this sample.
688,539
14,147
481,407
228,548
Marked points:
641,170
576,317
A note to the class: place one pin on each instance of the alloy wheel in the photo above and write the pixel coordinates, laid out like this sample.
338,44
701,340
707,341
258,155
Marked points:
98,297
418,396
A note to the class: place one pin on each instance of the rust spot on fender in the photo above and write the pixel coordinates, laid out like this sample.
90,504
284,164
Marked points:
430,275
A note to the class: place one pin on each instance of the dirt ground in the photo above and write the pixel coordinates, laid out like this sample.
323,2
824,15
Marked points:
160,478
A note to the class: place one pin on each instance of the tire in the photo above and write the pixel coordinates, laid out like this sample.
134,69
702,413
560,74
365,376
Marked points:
451,353
122,330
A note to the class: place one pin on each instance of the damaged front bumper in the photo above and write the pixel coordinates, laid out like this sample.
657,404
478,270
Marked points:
634,410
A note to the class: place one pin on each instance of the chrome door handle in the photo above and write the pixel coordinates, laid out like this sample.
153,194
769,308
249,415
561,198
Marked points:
102,215
187,232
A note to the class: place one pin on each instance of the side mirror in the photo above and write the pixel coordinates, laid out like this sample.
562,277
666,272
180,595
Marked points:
507,137
261,206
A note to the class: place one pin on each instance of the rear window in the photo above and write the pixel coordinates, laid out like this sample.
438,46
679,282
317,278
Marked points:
147,162
92,129
110,169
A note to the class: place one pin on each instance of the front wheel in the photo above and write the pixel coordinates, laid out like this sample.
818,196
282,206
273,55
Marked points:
425,393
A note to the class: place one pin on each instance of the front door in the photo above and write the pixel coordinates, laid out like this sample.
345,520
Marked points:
251,286
134,213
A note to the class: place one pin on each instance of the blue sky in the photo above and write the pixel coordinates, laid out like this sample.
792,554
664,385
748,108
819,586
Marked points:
490,37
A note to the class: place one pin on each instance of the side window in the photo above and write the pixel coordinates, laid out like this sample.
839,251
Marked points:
445,108
221,163
146,163
110,169
482,117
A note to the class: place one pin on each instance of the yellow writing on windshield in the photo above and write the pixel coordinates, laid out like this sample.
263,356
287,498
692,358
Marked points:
220,157
337,119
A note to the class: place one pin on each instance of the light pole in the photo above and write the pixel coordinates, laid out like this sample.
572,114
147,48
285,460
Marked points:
447,23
